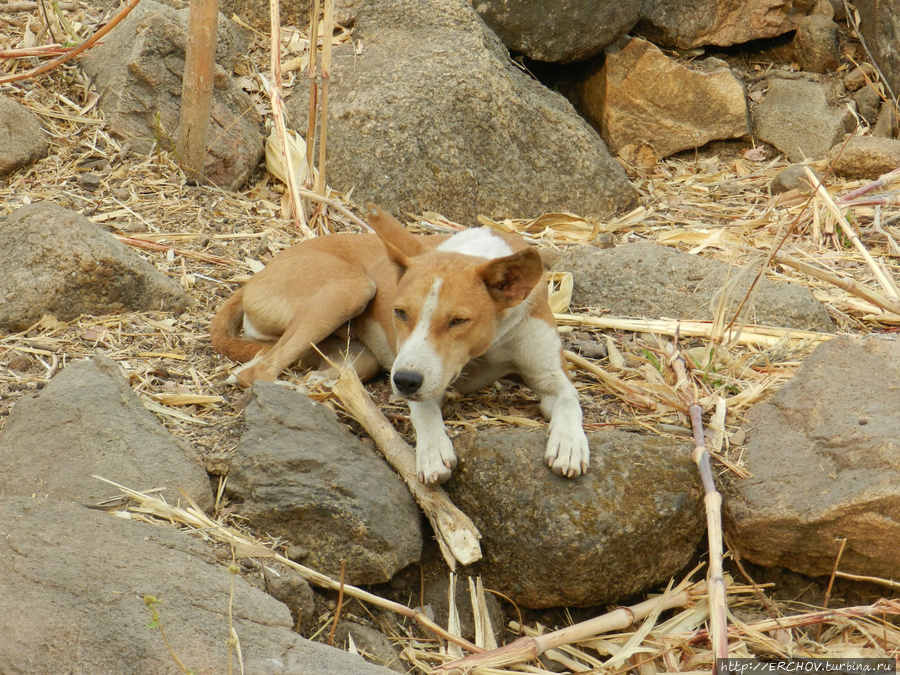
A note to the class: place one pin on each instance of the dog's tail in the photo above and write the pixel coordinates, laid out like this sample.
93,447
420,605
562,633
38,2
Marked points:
223,330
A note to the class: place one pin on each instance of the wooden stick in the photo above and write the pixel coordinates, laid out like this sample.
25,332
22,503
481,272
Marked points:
277,101
850,285
327,36
195,518
456,534
882,181
75,51
197,87
312,72
885,279
529,648
749,334
715,580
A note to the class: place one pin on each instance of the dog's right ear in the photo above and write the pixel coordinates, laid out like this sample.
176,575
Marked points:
401,245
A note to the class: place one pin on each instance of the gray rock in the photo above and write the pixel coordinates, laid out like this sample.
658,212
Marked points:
824,458
792,178
433,116
802,118
372,644
693,23
816,44
543,30
868,104
72,600
865,157
879,23
55,261
301,475
138,69
640,96
631,522
22,140
648,280
88,421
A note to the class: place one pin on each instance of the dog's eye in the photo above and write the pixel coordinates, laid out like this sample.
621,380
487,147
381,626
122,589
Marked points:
458,321
399,314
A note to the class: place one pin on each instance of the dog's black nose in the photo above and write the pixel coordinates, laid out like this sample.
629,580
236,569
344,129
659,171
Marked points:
408,382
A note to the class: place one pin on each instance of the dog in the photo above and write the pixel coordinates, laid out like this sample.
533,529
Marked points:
435,310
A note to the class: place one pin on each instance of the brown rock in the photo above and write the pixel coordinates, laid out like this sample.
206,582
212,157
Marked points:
816,44
866,157
824,454
641,96
24,140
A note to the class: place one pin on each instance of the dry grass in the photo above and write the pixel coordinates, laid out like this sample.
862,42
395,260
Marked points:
210,240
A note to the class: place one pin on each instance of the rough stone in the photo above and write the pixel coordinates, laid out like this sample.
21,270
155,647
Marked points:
88,421
653,281
816,44
631,522
138,69
802,118
879,23
372,644
824,459
543,30
866,157
868,104
469,134
695,23
23,139
299,474
72,600
55,261
640,96
792,178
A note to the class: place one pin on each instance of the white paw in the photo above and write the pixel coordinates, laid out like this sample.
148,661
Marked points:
568,453
435,461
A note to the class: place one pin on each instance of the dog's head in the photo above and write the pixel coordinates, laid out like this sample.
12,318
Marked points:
449,301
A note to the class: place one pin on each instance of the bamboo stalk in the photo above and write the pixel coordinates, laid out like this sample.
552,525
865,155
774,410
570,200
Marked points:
197,87
749,334
529,648
882,181
194,517
850,285
312,73
715,579
456,535
75,51
327,33
618,387
887,283
277,102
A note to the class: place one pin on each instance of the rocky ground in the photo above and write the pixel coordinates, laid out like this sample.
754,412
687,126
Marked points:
111,266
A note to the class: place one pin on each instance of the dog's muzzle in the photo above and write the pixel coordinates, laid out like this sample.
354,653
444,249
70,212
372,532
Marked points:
407,382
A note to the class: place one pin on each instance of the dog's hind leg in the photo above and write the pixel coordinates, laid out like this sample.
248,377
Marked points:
316,315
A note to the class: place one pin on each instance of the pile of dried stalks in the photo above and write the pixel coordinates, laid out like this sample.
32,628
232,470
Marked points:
840,241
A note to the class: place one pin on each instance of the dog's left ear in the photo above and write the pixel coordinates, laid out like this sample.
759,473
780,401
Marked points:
509,280
401,245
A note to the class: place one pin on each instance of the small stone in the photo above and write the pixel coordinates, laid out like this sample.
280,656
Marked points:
816,44
89,181
792,178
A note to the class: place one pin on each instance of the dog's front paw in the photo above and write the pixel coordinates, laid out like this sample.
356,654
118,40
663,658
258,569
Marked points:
568,453
435,461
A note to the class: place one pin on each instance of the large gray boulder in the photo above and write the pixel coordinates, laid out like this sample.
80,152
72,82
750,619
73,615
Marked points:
824,462
299,474
138,70
88,421
23,139
546,31
56,261
432,115
630,523
648,280
879,23
72,601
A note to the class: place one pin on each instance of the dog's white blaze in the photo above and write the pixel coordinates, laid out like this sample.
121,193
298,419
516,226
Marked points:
417,354
480,242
